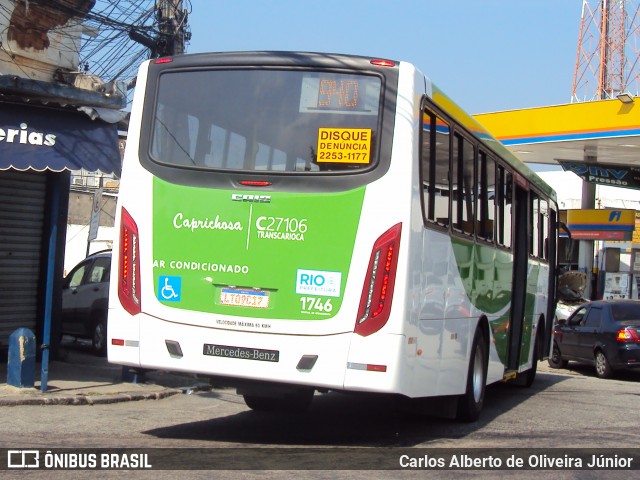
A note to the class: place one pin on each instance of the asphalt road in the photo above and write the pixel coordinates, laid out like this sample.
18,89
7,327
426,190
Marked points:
563,409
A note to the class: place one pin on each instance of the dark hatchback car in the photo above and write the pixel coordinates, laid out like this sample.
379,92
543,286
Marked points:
603,333
85,299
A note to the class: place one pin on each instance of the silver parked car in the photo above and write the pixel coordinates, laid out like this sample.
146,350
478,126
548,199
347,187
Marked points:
85,299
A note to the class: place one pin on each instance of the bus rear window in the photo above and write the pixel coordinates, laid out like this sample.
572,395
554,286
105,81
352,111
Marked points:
266,120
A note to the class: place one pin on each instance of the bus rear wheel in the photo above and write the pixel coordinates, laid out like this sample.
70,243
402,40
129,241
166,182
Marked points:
526,378
470,403
294,402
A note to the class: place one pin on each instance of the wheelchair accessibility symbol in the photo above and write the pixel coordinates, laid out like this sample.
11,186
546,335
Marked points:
169,288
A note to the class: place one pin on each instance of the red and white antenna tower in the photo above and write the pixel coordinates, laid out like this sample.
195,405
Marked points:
607,60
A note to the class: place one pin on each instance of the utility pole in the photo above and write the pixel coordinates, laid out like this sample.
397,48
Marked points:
172,24
173,30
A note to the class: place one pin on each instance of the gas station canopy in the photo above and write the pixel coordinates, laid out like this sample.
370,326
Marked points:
604,132
600,142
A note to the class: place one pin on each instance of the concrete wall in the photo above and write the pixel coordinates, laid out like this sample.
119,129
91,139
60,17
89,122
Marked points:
78,220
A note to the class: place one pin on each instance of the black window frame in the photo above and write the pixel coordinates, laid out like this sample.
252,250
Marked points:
282,181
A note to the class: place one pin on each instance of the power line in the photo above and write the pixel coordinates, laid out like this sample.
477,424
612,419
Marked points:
109,41
129,31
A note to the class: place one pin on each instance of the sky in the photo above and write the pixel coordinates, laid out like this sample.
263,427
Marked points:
487,55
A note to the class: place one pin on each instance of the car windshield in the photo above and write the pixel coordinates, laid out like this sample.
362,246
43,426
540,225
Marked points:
625,311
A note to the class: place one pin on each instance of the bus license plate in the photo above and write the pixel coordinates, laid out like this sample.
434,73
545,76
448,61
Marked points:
238,297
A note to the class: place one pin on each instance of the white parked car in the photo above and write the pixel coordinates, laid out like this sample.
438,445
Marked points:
571,287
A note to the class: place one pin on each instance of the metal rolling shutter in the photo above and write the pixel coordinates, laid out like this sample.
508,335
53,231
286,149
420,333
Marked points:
22,210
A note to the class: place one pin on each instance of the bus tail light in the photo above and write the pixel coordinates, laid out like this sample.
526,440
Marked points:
377,292
129,274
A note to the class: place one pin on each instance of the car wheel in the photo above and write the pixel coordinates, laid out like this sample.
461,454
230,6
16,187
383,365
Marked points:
470,403
603,368
556,360
99,338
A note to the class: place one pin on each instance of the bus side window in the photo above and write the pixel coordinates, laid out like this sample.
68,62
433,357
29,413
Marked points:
544,228
486,186
503,206
462,184
435,168
534,225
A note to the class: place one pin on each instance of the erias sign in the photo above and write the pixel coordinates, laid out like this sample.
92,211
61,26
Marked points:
53,139
24,136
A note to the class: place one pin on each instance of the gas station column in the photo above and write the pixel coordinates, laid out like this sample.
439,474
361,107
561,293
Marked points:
586,247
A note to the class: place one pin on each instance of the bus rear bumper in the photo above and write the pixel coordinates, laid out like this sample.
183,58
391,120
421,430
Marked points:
317,361
343,361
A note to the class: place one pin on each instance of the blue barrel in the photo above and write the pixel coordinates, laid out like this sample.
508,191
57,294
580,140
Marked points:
21,365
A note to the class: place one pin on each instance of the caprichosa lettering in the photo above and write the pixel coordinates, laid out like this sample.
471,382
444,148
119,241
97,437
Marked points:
193,224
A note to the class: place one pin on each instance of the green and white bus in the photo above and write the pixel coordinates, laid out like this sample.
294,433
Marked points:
300,222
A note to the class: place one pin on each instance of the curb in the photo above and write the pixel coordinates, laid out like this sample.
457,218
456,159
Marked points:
89,399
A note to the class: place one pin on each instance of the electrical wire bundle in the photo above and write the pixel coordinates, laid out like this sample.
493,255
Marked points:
116,35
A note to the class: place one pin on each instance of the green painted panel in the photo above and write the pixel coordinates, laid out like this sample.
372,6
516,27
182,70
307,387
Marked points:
244,253
486,273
